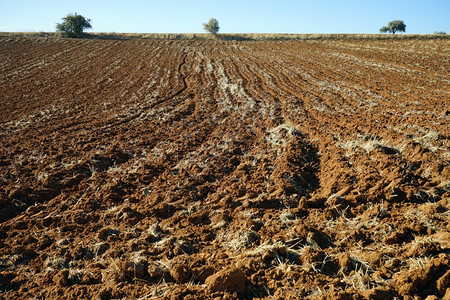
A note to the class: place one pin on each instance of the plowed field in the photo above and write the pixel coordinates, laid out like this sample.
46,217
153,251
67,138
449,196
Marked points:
220,169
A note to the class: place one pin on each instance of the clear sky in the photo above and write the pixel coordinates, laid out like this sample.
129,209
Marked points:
251,16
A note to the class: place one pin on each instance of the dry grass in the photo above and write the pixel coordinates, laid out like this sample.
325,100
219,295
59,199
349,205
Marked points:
56,262
233,36
237,241
367,144
280,135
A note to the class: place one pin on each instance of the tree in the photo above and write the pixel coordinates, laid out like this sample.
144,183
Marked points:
393,27
212,26
73,25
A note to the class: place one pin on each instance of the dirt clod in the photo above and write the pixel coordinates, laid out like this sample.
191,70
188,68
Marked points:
181,273
228,280
61,278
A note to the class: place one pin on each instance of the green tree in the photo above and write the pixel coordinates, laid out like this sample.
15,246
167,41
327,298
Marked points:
73,25
212,26
393,27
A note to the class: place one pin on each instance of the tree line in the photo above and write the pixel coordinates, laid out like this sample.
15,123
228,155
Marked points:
73,25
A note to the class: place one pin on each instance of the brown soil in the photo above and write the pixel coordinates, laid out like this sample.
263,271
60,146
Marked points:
207,169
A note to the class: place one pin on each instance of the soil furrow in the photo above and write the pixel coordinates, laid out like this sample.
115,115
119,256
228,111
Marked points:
223,169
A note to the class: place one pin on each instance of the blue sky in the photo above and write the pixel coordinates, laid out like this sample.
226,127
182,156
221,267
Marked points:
251,16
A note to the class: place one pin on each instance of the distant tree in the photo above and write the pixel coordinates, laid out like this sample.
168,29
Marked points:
212,26
73,25
440,32
393,27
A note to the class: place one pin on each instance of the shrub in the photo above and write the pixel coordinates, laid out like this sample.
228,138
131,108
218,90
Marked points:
73,25
393,27
212,26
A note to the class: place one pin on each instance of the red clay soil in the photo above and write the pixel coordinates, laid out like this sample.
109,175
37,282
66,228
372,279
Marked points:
141,169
